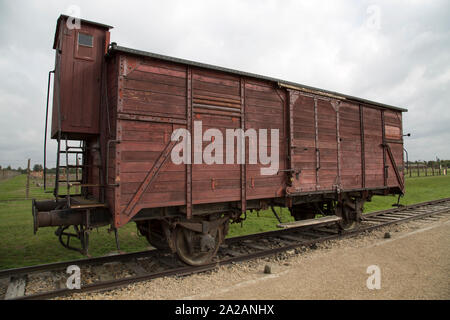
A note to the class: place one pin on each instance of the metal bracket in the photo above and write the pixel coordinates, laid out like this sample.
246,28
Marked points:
292,172
203,227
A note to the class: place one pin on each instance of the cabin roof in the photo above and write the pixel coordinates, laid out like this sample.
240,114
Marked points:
83,21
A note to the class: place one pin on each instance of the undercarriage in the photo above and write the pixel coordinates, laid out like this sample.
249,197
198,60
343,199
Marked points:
195,241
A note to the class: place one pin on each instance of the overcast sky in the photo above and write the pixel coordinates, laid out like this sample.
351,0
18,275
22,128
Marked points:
394,52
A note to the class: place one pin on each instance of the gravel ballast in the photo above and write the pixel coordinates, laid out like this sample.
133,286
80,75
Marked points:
414,263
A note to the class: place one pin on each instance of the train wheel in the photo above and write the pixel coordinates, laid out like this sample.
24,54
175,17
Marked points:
350,211
348,225
154,233
196,248
347,222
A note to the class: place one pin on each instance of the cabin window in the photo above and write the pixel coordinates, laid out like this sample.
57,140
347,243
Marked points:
85,40
84,46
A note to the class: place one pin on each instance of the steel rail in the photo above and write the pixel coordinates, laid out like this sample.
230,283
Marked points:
64,264
185,270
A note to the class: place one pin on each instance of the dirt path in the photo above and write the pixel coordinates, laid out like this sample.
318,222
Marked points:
414,264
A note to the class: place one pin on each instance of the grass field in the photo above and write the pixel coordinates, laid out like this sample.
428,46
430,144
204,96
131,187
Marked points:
19,247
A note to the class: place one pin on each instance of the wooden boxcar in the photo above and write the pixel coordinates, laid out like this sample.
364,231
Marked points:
122,106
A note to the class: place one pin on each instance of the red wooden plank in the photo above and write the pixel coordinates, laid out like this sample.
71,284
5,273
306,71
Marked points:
158,69
152,78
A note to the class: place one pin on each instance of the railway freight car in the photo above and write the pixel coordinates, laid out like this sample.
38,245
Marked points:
184,148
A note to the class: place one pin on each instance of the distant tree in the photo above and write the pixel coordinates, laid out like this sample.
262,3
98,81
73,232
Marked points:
8,168
37,167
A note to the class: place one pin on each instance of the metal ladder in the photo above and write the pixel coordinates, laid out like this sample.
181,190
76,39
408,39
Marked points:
79,180
78,151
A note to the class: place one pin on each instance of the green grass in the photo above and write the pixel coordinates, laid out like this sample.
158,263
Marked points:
19,247
265,222
15,188
418,189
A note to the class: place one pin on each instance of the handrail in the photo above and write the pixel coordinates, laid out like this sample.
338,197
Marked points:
45,133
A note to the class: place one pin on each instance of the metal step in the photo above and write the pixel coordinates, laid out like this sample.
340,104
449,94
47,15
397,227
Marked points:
85,185
80,202
81,166
83,148
310,222
71,152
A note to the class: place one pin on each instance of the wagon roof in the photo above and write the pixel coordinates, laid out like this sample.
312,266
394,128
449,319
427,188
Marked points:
116,48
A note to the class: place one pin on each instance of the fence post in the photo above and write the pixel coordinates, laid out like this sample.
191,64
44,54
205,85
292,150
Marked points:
76,173
28,179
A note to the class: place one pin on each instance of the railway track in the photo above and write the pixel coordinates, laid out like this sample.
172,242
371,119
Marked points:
114,271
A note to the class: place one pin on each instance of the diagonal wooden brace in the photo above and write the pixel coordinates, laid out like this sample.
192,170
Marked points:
394,165
150,178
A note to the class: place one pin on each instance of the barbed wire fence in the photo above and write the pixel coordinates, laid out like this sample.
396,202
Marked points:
24,184
7,174
32,185
424,170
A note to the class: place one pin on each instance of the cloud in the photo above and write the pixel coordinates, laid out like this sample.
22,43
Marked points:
392,52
